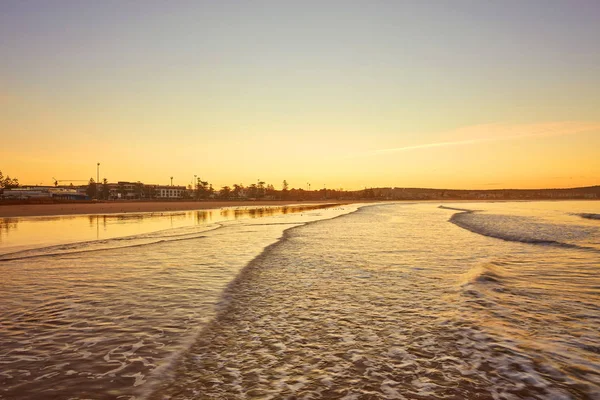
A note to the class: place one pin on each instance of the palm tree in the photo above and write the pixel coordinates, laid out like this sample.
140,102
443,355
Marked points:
260,189
105,190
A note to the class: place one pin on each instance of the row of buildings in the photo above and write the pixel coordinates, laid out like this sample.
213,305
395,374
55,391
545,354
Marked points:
42,192
112,191
139,191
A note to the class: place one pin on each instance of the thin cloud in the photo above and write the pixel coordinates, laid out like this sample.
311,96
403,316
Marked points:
428,145
497,132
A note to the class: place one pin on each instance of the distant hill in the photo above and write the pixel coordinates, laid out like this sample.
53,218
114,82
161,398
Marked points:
588,192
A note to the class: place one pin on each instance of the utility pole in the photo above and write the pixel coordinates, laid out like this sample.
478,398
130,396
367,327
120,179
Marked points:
97,178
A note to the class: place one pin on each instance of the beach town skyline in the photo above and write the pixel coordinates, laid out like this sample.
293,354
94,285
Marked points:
197,184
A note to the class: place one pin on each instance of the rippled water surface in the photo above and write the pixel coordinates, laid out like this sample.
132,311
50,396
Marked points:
384,301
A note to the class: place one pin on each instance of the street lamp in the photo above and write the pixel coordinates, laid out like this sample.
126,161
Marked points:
171,181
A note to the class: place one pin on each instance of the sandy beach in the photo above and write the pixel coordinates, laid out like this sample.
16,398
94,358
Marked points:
36,210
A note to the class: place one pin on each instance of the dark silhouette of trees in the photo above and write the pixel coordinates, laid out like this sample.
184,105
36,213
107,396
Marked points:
285,190
270,191
197,194
225,192
203,189
91,190
8,182
105,189
252,191
260,190
237,191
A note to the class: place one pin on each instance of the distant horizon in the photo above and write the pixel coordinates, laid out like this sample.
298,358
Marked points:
217,188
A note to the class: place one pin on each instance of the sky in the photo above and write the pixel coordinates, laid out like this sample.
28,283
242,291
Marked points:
341,94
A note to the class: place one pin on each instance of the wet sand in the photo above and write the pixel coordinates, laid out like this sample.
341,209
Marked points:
35,210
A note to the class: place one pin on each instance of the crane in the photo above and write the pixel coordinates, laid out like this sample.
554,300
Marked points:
56,181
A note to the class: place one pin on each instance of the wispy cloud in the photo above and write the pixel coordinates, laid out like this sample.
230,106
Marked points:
427,146
499,132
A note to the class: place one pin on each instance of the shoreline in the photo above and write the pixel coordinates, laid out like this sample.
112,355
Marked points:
141,207
138,207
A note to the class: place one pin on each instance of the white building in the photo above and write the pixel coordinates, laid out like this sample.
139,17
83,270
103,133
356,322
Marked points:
170,192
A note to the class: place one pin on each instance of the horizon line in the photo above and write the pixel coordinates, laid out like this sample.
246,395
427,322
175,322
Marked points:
334,189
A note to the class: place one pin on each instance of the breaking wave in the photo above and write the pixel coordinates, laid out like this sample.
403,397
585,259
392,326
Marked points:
456,209
303,320
588,215
486,274
165,375
525,230
147,239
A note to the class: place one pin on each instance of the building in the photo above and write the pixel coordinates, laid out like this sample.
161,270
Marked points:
137,190
122,190
170,192
68,194
43,192
24,193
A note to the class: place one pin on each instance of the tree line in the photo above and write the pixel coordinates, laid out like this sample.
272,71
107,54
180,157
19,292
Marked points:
6,182
93,192
204,190
262,190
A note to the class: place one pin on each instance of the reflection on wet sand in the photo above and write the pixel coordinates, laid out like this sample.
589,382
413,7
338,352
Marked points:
6,226
19,233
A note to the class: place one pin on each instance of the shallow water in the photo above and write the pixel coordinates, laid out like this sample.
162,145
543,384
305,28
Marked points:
406,301
96,318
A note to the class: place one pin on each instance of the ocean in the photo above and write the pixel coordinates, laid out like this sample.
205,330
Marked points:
429,300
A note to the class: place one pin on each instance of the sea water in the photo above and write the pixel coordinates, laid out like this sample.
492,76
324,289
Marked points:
378,301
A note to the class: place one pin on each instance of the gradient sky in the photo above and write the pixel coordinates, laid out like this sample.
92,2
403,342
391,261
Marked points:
456,94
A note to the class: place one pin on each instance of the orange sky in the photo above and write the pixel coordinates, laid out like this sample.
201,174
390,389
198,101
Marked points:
407,95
